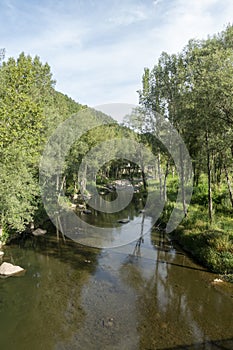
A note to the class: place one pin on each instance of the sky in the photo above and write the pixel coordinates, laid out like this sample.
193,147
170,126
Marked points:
97,49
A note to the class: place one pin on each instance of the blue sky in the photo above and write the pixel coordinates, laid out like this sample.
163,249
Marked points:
97,50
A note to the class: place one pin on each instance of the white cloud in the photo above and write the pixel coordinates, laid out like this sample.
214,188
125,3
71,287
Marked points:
129,16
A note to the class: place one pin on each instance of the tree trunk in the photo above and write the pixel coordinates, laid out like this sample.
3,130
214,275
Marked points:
229,184
210,200
116,172
160,177
182,180
57,182
63,184
196,174
144,179
83,182
165,183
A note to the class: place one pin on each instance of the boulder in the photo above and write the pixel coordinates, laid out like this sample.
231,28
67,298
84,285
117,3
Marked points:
39,232
7,269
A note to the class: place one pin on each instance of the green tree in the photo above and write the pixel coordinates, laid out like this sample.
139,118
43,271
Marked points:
25,85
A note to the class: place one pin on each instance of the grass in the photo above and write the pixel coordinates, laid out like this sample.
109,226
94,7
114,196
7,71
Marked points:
211,245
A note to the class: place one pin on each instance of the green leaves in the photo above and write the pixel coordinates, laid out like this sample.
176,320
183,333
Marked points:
25,87
194,91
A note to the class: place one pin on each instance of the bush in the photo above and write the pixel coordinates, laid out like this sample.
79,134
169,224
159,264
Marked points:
200,195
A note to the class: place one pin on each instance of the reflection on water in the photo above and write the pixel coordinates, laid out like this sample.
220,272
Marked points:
105,229
145,295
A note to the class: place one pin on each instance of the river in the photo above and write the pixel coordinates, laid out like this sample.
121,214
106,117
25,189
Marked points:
144,295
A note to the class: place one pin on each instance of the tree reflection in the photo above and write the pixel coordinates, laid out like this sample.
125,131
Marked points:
137,251
175,306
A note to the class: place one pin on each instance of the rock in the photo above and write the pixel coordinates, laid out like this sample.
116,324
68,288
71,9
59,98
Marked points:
87,211
81,206
1,254
123,221
8,269
39,232
86,196
217,280
108,323
111,187
73,206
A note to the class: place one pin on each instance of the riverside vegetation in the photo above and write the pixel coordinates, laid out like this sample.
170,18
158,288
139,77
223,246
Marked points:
193,90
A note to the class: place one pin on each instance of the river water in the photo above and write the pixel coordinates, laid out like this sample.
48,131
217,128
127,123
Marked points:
144,295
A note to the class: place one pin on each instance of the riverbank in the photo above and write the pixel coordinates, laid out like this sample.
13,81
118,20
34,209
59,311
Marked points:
209,245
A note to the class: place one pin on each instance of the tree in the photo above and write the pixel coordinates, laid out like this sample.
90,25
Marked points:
193,90
25,85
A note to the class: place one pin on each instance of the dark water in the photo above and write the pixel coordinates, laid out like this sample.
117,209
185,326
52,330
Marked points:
139,296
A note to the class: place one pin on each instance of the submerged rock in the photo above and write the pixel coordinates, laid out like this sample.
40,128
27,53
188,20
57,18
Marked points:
7,269
123,221
39,232
87,211
108,323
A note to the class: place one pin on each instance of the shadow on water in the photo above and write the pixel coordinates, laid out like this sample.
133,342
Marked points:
44,306
182,266
68,252
226,344
162,247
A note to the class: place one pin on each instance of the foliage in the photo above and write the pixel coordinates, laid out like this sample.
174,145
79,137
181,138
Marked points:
193,91
30,109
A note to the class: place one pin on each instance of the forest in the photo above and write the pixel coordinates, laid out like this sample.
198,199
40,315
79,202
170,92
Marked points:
192,90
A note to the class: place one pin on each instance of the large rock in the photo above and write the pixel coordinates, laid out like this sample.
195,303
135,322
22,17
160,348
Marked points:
7,269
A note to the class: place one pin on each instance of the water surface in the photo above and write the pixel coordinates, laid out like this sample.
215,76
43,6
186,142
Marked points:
145,295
